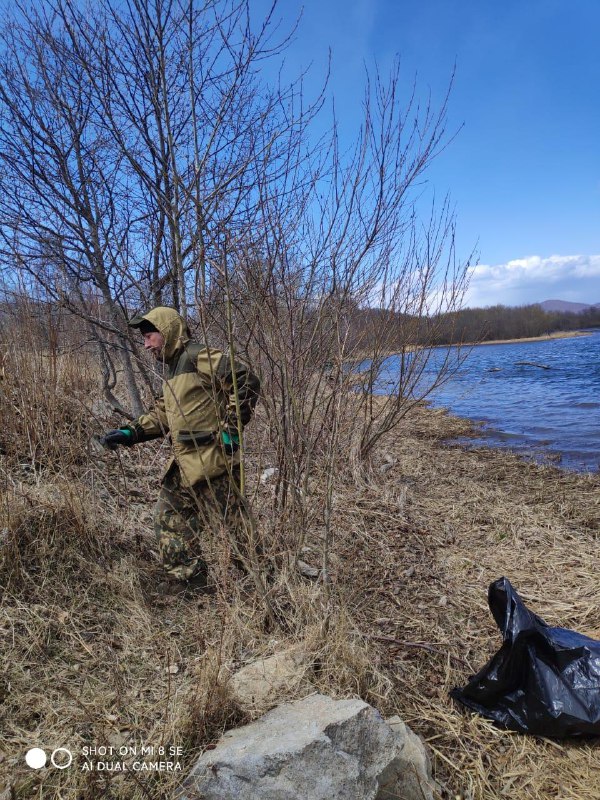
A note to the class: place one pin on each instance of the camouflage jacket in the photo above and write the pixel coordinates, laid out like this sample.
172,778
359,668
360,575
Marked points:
202,396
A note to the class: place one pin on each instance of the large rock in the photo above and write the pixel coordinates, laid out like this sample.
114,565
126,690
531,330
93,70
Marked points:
313,749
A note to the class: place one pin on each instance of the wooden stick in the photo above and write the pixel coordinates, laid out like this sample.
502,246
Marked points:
431,648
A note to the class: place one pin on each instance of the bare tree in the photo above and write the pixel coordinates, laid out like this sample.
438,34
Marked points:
144,161
337,272
133,138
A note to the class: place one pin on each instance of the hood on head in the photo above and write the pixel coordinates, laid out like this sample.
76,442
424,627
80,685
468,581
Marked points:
168,323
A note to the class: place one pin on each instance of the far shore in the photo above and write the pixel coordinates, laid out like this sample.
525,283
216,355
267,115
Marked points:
544,338
363,356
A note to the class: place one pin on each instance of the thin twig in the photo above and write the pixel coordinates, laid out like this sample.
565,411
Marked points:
430,647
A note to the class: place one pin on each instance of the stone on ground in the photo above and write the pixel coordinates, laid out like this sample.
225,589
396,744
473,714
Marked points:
314,749
263,683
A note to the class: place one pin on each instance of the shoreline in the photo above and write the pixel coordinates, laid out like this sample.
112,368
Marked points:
544,338
479,436
364,356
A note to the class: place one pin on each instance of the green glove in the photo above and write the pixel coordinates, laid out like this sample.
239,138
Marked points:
231,442
113,438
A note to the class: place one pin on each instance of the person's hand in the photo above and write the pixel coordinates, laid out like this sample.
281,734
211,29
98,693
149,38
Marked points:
113,438
231,442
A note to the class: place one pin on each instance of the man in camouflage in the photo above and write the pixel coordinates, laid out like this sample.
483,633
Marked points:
205,402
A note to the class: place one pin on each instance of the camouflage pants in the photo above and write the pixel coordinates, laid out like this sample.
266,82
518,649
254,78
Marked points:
184,518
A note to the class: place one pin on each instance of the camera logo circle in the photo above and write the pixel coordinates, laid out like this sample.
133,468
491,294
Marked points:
63,761
36,758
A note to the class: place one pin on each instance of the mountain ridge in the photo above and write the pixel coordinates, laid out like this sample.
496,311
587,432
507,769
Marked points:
566,305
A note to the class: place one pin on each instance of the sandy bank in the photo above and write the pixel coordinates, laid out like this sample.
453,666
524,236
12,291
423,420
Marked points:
545,338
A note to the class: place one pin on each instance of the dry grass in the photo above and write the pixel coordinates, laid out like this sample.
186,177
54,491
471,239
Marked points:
92,656
438,527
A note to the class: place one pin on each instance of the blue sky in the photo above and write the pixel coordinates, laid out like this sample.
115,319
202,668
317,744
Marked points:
524,169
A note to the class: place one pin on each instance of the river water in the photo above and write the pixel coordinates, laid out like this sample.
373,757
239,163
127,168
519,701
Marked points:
551,415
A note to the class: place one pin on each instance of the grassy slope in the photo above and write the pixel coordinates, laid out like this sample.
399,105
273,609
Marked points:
92,656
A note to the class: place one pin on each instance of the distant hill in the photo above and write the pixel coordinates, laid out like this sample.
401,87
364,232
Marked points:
566,305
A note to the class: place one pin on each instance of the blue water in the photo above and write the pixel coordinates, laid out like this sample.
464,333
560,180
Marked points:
551,415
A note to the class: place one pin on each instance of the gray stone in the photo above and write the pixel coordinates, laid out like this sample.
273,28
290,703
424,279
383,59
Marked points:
268,473
265,682
313,749
306,570
409,774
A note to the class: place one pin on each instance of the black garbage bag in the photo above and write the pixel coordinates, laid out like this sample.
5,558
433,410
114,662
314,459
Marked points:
544,681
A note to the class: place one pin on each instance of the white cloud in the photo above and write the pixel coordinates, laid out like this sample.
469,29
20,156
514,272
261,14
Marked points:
535,279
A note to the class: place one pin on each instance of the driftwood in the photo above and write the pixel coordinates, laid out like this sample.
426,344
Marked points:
531,364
